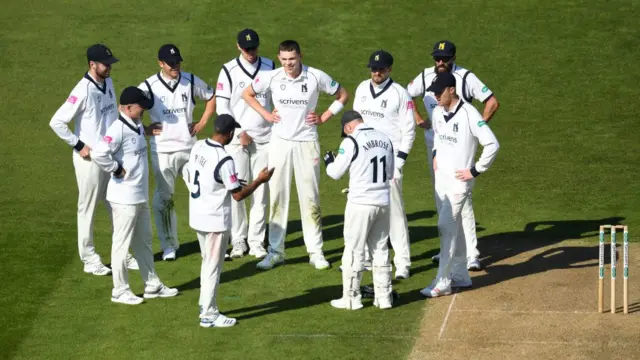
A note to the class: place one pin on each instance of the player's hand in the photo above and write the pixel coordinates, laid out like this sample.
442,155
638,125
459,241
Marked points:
85,153
397,174
272,117
265,175
245,139
325,116
464,175
123,172
312,118
153,129
328,158
196,128
435,164
425,125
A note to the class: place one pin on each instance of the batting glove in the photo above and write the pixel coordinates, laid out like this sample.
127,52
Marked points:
328,158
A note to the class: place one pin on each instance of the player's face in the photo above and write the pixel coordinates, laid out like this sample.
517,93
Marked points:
249,54
380,75
135,111
443,63
290,61
228,137
171,70
103,71
445,98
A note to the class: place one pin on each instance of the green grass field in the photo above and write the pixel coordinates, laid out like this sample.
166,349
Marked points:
564,73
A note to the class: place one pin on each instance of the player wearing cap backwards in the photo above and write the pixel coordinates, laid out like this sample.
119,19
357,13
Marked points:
92,106
369,156
123,154
174,93
249,146
468,87
213,181
386,106
457,127
295,147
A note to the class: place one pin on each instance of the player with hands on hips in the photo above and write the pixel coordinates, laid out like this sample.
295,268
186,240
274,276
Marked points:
123,153
458,128
369,156
213,181
295,147
174,93
387,107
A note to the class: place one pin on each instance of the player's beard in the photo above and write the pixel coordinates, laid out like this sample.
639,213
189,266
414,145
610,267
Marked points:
104,73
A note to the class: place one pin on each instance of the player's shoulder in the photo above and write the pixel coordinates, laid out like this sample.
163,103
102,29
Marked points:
429,74
459,70
363,84
398,87
187,76
152,79
268,63
314,71
82,88
229,65
470,110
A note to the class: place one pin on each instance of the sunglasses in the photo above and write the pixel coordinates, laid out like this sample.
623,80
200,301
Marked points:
251,49
445,59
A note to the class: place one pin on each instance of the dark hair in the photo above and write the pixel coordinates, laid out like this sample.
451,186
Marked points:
289,45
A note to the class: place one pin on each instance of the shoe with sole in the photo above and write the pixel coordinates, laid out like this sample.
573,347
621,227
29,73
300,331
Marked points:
319,262
169,254
474,264
436,258
347,303
132,263
162,291
402,274
217,321
127,298
98,269
237,252
436,291
270,261
259,252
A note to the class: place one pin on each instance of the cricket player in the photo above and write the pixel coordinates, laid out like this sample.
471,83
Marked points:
469,87
249,146
387,107
92,106
458,128
369,156
123,154
213,181
174,93
295,147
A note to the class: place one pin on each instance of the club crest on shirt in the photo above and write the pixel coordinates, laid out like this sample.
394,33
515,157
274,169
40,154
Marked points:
133,140
110,94
242,84
283,86
304,87
384,104
184,98
364,98
455,127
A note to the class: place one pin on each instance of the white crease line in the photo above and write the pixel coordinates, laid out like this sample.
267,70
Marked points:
343,336
522,342
525,311
444,323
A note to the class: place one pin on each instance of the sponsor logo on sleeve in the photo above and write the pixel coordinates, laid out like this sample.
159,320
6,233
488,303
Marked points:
72,99
410,105
108,139
233,178
341,151
485,89
220,86
481,123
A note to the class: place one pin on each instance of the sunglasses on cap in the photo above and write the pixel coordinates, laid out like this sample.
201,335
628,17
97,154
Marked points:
442,58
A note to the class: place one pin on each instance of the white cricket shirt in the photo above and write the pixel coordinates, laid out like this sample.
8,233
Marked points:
294,99
388,108
173,104
212,178
92,107
456,139
124,145
234,77
368,155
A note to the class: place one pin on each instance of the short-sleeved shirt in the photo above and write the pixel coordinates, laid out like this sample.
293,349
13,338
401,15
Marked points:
294,99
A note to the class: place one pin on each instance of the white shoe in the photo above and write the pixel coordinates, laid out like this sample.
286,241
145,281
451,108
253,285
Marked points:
474,264
226,257
161,291
259,252
237,252
169,254
347,303
217,321
132,263
383,305
436,258
367,265
435,291
319,262
270,261
402,274
345,191
97,269
127,298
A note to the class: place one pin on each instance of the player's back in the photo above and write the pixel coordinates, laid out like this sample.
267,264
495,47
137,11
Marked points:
371,167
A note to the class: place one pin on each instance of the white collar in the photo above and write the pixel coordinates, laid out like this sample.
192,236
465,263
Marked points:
128,119
302,76
168,80
247,65
382,85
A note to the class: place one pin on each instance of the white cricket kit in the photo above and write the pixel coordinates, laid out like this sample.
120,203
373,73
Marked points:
457,135
234,77
369,155
173,103
212,178
124,146
295,148
468,87
389,108
93,108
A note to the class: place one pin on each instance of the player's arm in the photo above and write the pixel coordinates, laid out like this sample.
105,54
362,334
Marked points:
103,153
223,93
479,91
416,91
229,177
436,139
480,129
338,165
59,123
329,86
407,128
204,92
155,128
259,85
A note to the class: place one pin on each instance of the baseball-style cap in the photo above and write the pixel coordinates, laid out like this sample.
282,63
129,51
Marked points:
444,48
225,124
380,60
100,53
348,117
248,38
442,81
169,53
133,95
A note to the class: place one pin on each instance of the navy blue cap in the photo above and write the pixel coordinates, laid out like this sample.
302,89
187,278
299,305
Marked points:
225,124
442,81
380,60
170,54
444,48
133,95
248,39
100,53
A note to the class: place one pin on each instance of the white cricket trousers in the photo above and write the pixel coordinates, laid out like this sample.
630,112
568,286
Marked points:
366,225
302,158
213,246
399,232
249,162
167,167
132,228
92,187
468,216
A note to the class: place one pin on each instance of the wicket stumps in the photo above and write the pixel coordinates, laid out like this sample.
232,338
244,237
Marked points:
625,256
